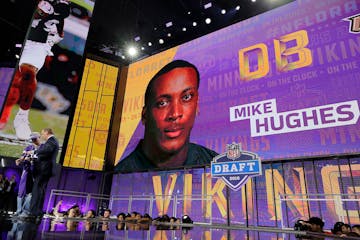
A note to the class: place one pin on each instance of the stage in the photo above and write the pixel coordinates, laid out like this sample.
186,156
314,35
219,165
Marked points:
66,228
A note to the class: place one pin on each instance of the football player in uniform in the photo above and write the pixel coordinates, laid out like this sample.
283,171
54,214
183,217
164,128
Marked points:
47,29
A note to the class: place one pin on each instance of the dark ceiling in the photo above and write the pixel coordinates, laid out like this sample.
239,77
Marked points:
116,23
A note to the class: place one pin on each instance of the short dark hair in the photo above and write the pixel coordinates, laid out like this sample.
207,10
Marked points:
48,130
356,226
316,221
167,68
337,227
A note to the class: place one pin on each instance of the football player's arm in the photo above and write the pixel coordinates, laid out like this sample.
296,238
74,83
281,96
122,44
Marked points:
63,8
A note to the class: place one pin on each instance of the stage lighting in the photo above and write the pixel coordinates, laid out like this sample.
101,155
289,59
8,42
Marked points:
161,41
237,8
132,51
137,38
168,24
208,5
149,44
184,29
208,20
169,34
194,24
223,11
142,48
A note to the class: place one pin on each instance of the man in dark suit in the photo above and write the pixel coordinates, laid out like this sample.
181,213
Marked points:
44,168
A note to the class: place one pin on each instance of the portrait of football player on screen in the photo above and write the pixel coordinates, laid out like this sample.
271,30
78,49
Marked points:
168,115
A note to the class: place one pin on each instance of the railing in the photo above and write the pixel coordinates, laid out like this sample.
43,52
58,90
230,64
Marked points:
171,202
82,195
338,201
174,203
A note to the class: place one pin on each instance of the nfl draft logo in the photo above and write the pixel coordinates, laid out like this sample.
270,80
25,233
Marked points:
235,167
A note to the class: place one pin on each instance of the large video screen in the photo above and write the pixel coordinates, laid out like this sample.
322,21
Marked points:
44,82
284,193
86,147
283,85
5,79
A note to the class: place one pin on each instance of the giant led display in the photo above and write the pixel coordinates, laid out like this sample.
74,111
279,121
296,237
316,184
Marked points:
5,79
284,84
45,80
282,195
89,131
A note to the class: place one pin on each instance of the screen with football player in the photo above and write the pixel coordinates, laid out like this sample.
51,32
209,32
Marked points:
283,85
45,80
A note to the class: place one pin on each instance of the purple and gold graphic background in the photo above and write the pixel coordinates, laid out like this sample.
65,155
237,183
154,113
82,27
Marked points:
257,203
332,77
5,79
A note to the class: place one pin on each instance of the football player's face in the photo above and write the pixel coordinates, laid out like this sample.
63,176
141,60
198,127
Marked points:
170,114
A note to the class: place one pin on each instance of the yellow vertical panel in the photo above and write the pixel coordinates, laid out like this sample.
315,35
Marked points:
90,143
97,113
87,110
95,160
78,103
69,149
104,116
80,148
88,136
94,79
76,122
77,111
98,150
85,72
110,80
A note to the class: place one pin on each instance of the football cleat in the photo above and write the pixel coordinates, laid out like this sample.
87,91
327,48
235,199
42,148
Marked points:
22,126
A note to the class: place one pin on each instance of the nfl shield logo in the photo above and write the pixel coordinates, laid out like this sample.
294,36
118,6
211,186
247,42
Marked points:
235,167
233,151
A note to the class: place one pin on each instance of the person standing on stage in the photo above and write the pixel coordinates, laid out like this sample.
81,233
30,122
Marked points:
44,168
26,180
